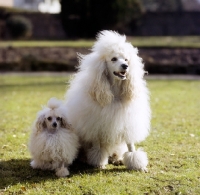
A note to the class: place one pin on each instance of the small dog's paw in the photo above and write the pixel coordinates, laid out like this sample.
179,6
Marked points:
34,165
145,170
62,172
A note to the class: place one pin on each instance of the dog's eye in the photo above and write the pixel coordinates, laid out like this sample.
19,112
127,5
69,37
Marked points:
126,60
114,59
58,118
49,118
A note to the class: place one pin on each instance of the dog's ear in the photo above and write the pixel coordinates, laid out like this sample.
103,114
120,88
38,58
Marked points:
100,90
40,123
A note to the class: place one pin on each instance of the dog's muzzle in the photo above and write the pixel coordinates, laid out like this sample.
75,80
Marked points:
122,74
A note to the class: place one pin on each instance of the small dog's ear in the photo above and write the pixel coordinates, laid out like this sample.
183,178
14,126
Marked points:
101,89
40,123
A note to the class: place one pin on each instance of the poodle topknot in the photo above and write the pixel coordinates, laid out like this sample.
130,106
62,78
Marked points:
54,103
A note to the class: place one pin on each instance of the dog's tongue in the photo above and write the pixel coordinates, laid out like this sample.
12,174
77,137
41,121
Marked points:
122,73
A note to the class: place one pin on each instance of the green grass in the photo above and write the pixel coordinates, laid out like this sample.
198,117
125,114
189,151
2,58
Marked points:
172,147
168,41
43,43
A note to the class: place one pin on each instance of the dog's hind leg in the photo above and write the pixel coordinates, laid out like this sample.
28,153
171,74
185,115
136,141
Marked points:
135,159
117,153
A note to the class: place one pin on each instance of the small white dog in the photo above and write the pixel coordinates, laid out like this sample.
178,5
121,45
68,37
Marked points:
53,144
108,103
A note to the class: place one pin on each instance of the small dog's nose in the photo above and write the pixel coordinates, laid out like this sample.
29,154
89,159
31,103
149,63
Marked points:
54,124
124,66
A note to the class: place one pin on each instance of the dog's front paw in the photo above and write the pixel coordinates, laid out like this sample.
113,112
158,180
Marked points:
136,160
62,172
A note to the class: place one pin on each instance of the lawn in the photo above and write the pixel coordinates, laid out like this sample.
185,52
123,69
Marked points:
172,147
153,41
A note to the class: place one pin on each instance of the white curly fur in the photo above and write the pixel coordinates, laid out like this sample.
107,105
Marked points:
53,148
136,160
107,103
54,103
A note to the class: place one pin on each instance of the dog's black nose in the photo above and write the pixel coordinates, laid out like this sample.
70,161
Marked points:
124,66
54,124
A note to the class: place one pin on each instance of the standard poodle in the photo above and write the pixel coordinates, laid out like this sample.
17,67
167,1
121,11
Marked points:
108,103
53,143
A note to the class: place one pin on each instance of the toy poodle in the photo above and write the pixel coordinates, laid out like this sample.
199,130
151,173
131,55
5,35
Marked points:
53,143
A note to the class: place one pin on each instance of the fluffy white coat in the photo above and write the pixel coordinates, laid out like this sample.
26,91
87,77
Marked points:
108,102
53,148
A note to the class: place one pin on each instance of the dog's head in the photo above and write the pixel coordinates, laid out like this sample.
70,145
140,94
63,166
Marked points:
119,55
117,66
51,118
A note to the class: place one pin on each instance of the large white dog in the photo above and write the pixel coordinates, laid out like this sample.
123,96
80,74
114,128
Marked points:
108,103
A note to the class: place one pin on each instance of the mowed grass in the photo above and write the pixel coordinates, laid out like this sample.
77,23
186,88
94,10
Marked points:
152,41
172,147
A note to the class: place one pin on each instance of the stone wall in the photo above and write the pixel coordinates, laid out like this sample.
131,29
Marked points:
156,60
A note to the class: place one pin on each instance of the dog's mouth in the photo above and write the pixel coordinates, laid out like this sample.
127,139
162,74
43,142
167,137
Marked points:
52,130
121,75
